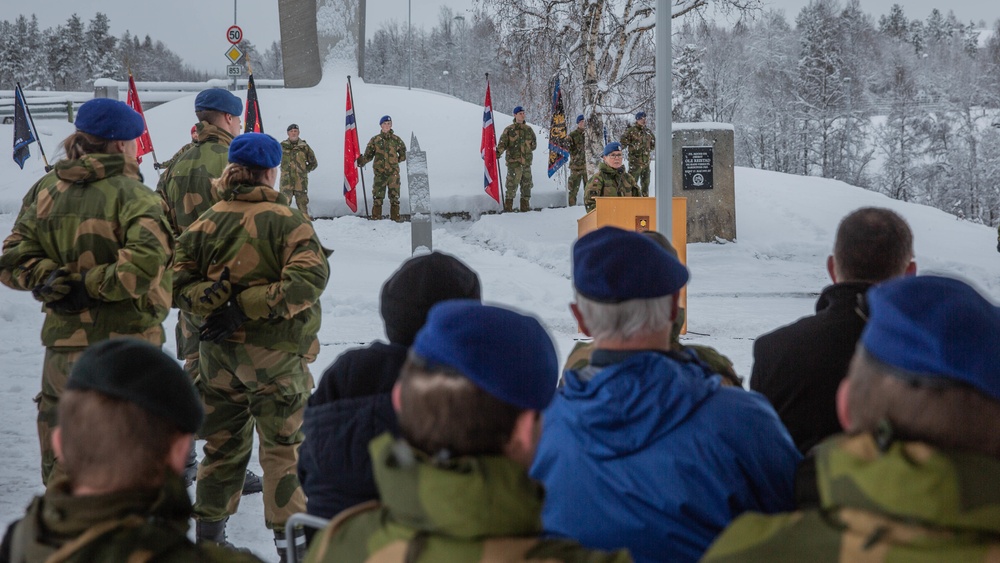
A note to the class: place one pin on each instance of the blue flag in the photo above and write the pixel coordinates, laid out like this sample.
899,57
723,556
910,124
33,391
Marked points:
558,155
24,135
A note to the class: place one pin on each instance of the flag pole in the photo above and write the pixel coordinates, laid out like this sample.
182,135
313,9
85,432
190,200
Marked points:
361,171
499,175
41,149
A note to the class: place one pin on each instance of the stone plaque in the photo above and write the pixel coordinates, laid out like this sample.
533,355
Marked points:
696,167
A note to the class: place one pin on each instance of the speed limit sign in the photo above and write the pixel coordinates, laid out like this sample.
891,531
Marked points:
234,34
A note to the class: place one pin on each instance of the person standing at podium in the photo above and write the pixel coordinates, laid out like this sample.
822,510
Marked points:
611,180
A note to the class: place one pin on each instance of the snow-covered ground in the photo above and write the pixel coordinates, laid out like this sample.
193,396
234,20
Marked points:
769,277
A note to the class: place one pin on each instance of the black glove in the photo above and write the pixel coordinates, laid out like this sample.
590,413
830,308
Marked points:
157,166
74,297
222,323
998,246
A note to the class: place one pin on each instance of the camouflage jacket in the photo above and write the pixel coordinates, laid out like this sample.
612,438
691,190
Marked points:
387,150
518,140
93,214
609,182
483,508
640,142
166,164
135,526
186,188
909,503
297,160
577,146
263,242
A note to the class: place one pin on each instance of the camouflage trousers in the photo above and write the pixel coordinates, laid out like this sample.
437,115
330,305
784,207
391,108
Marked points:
244,387
518,175
577,178
301,198
641,175
382,181
55,372
186,334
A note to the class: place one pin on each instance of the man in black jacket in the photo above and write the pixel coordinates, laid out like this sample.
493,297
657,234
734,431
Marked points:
352,403
799,367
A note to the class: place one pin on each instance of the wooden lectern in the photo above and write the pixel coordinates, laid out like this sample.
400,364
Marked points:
639,214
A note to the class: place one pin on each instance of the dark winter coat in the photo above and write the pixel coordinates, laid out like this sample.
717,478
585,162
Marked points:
351,406
646,450
800,366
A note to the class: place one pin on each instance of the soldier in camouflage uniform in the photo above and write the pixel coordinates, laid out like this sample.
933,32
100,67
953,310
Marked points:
518,140
577,159
255,269
166,164
126,419
914,478
387,150
452,494
611,180
297,161
187,191
640,143
93,246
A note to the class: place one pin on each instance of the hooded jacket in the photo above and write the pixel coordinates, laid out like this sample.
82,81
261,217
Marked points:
646,451
911,502
462,510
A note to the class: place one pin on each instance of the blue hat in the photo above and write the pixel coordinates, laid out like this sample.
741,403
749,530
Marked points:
612,147
218,99
255,150
579,118
611,265
517,110
640,115
506,354
384,119
109,119
935,327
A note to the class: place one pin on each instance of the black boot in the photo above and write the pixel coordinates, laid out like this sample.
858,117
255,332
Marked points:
252,483
281,544
191,467
215,532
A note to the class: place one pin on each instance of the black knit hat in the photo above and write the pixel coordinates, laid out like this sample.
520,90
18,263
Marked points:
416,286
138,372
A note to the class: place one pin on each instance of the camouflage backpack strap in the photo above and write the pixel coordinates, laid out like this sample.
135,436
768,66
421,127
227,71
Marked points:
323,540
65,552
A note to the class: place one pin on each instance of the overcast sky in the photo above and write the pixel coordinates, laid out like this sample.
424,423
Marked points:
195,29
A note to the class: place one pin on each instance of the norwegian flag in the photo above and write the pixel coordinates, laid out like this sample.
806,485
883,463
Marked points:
145,144
488,149
351,152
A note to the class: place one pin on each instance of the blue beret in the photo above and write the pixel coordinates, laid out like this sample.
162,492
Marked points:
138,372
579,118
612,147
611,265
218,99
384,119
517,110
640,115
255,150
935,327
506,354
109,119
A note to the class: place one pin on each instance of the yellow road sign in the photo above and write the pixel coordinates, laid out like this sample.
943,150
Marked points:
234,53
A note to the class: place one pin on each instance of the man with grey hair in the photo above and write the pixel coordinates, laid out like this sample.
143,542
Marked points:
644,448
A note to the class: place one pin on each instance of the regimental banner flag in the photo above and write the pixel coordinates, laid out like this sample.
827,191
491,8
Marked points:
351,152
558,155
252,122
145,144
24,134
488,150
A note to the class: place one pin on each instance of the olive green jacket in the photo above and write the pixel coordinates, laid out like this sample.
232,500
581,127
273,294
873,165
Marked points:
519,142
911,502
640,142
186,187
462,510
609,182
264,243
93,215
297,161
130,526
386,150
577,146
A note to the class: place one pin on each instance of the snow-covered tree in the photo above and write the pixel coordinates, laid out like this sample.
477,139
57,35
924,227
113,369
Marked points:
689,92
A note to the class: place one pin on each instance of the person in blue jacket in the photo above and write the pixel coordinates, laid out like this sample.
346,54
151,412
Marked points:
351,404
644,448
